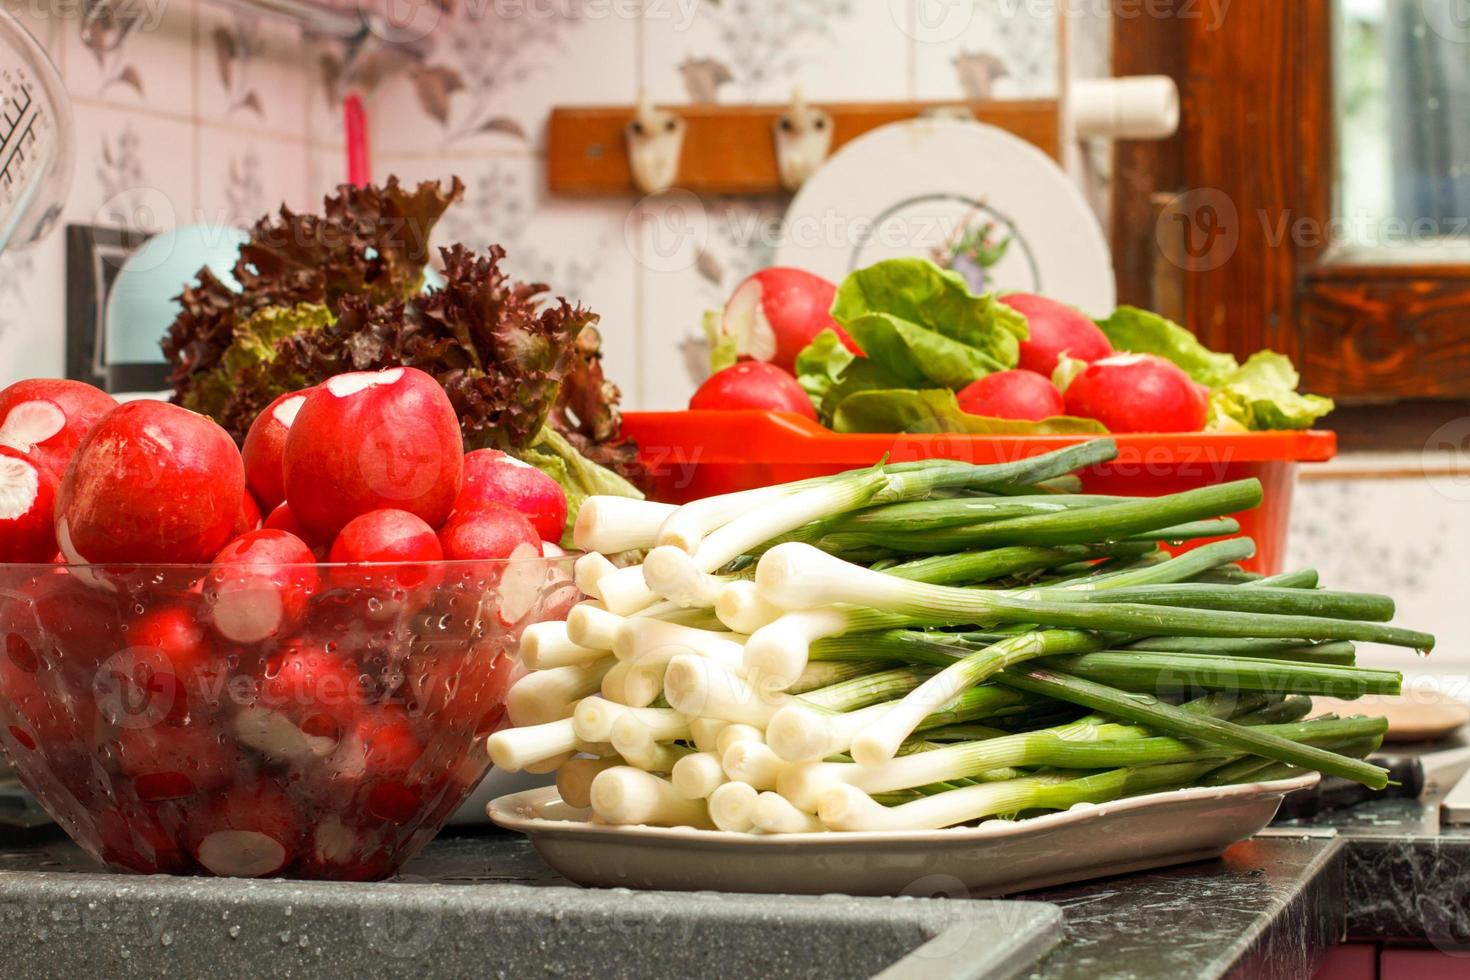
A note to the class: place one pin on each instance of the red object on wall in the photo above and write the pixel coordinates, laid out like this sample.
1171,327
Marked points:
355,134
697,454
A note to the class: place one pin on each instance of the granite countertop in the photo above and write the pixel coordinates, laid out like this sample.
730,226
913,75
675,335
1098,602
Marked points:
1271,906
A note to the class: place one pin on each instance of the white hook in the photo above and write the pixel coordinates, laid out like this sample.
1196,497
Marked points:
655,143
803,140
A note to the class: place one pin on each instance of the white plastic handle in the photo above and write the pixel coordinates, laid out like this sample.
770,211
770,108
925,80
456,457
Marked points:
1142,107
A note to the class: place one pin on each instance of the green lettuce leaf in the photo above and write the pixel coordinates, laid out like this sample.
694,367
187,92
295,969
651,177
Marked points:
937,410
820,365
1262,394
552,454
723,351
1141,332
250,362
923,325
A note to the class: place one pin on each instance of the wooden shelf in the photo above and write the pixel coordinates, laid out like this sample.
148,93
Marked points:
731,150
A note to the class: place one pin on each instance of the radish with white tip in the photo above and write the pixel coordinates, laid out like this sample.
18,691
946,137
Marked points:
369,441
494,477
265,447
27,508
494,532
250,832
49,417
150,483
778,311
260,585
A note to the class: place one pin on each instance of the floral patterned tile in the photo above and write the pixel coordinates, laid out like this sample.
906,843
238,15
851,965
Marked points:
691,255
251,73
1394,536
244,176
576,248
137,54
495,72
759,50
985,49
133,170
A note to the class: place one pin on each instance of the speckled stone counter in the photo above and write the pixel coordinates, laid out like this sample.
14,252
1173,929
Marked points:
1270,907
1407,876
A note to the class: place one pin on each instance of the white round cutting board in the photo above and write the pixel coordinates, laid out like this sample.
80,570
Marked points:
914,187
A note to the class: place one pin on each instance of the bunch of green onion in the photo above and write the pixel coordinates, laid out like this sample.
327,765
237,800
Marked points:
920,645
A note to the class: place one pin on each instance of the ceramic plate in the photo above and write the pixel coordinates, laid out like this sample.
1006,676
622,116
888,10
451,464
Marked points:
927,186
995,858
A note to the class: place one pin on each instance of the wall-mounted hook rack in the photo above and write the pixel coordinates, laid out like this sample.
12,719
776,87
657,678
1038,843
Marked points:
729,149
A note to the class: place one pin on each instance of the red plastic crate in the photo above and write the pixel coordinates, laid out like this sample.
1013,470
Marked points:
696,454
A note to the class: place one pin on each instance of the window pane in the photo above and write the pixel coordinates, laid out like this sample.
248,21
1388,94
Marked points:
1403,81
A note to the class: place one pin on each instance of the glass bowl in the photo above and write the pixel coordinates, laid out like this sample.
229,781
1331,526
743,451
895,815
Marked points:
307,721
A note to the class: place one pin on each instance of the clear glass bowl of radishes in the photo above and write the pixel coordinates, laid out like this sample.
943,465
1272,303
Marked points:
190,689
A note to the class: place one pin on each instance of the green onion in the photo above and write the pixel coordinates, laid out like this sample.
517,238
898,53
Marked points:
1149,710
1155,672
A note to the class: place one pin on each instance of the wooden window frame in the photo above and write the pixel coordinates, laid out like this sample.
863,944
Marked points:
1258,127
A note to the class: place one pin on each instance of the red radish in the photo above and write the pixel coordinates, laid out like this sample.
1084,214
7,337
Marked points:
259,586
320,691
489,531
249,832
387,537
281,519
491,476
265,445
28,713
371,441
169,657
1012,395
1138,393
172,762
393,536
385,747
49,417
775,313
752,384
249,518
151,482
1055,329
468,694
27,508
83,624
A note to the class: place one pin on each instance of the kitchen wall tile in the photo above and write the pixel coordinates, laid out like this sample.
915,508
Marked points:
985,49
759,50
251,73
326,167
138,58
495,71
1396,536
33,311
242,176
133,170
576,248
46,25
691,253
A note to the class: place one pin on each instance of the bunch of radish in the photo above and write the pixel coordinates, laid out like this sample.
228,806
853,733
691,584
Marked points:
1125,392
187,686
771,316
776,312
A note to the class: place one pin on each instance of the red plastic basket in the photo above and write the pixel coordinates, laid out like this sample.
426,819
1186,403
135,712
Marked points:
696,454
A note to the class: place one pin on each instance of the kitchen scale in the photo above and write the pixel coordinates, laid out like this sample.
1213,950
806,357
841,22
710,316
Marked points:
35,174
35,138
